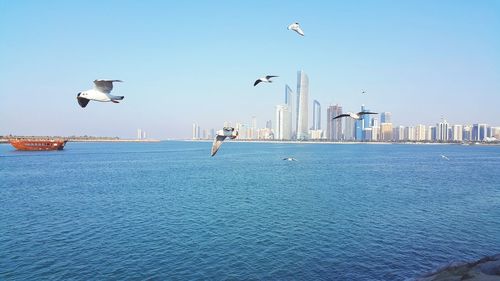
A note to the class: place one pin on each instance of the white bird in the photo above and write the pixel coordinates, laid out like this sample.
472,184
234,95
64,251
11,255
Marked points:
266,79
101,92
357,116
289,159
221,136
444,157
296,27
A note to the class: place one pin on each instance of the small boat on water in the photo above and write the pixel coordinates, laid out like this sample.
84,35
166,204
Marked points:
37,144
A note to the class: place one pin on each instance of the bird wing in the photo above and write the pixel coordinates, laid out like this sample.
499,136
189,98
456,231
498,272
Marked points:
270,76
340,116
257,82
105,86
217,143
299,31
366,112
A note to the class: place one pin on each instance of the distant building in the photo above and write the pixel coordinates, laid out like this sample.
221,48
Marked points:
349,129
420,132
195,132
385,131
282,130
302,105
409,133
316,134
139,134
316,115
385,117
479,132
375,133
467,133
495,132
442,131
457,133
367,134
269,124
432,133
398,133
333,127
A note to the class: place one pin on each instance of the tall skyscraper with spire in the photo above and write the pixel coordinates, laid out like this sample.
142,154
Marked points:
302,105
316,115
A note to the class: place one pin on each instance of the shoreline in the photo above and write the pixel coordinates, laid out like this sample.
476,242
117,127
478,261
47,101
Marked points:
348,142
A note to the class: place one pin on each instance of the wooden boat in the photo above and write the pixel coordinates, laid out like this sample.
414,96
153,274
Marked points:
37,144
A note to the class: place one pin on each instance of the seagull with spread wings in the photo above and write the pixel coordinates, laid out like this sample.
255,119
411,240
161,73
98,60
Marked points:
266,79
296,27
357,116
101,92
226,132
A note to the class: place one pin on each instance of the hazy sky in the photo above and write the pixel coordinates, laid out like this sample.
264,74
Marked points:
196,61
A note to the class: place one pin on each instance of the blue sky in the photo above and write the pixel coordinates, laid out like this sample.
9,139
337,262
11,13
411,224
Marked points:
195,61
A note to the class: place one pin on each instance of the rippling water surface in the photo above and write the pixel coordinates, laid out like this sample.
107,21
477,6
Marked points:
168,210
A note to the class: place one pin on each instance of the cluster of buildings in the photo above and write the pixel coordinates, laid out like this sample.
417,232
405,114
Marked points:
291,122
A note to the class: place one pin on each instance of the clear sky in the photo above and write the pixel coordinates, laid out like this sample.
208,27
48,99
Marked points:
196,61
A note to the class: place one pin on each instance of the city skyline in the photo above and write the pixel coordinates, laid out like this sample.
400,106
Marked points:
419,59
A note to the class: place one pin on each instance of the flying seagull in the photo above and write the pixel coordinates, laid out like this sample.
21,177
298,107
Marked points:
221,136
296,27
101,92
266,79
444,157
363,91
357,116
289,159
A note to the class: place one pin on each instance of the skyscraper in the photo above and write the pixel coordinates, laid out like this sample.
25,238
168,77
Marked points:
385,131
316,115
479,132
420,132
442,131
302,105
385,117
349,129
333,127
283,130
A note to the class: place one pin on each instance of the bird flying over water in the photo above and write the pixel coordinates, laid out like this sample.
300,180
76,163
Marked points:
357,116
266,79
444,157
289,159
296,27
101,92
226,132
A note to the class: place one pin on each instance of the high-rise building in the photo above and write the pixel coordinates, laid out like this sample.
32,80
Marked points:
467,133
479,132
385,117
442,131
333,127
358,129
349,128
495,132
302,105
457,133
385,131
432,133
375,133
398,133
195,132
420,132
409,133
316,115
283,130
139,134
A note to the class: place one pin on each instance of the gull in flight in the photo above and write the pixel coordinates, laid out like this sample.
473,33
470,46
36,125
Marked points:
266,79
296,27
289,159
363,91
226,132
101,92
357,116
444,157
